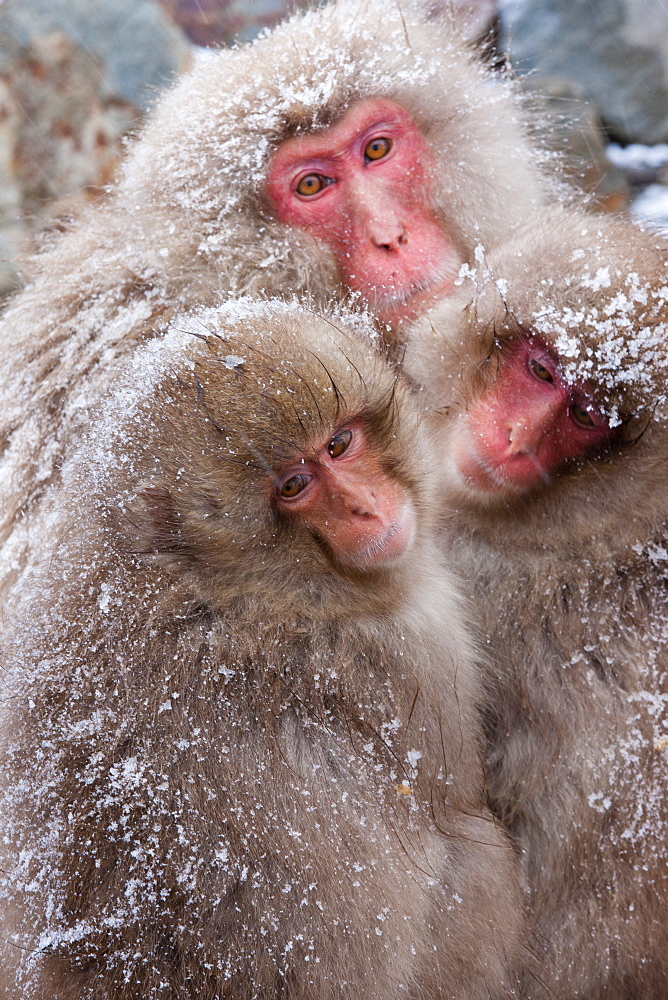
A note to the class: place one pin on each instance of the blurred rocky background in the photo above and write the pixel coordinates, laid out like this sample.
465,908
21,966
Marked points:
76,76
601,69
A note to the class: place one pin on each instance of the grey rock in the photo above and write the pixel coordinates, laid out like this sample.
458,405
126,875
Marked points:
617,50
60,138
135,42
222,22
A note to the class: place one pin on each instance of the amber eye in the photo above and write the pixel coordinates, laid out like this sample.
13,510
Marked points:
339,444
581,416
311,184
377,149
540,371
293,487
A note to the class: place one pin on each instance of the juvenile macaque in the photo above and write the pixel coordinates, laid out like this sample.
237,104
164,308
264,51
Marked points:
547,383
433,157
240,741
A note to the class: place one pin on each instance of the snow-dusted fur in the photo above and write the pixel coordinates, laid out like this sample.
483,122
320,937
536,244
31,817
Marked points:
229,767
571,588
188,223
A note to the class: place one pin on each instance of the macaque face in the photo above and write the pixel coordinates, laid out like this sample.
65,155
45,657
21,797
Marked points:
342,494
526,425
363,187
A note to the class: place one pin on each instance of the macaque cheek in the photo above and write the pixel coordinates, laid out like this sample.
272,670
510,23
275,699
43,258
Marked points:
477,451
570,442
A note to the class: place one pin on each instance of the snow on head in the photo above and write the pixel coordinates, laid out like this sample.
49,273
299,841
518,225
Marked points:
597,290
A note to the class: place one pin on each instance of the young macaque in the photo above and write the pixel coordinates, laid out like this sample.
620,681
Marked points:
359,147
547,380
241,742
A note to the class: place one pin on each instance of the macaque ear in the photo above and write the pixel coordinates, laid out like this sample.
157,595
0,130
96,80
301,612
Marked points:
156,519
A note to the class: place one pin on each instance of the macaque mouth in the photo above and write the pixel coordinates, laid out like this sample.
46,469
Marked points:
482,477
403,291
413,294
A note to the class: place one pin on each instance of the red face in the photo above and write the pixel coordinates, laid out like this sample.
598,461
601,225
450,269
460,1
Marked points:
526,425
343,495
363,186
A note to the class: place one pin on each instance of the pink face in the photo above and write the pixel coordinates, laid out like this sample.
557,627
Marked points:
526,425
343,495
363,187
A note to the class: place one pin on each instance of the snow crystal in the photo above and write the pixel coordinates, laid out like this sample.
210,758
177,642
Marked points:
232,361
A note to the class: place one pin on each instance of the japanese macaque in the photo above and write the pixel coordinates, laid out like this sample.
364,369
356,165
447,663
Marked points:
547,380
241,743
416,151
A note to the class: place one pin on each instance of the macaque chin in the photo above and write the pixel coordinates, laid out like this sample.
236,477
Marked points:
526,425
363,187
344,496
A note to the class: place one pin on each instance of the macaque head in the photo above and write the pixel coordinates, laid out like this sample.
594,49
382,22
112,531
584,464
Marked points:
294,451
549,363
364,186
360,147
527,424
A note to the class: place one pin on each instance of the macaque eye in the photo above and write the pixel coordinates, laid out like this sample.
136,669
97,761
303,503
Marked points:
293,486
540,371
581,416
340,443
377,149
311,184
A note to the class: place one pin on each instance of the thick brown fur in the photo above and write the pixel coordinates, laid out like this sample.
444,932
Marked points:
188,223
230,766
570,583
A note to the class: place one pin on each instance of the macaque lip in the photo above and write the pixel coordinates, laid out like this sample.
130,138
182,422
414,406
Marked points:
518,473
387,549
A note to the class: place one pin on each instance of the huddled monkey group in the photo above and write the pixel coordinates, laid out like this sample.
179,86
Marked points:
332,550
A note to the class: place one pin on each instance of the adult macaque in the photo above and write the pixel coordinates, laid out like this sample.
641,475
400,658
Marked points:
548,390
241,749
201,210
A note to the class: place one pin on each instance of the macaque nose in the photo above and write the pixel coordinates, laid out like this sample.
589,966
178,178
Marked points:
526,431
523,437
388,234
378,213
359,501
